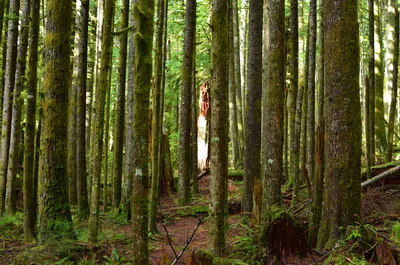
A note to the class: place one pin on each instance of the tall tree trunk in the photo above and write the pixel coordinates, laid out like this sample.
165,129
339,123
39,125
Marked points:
29,148
194,179
101,91
243,57
342,195
369,88
54,207
17,110
292,97
80,76
129,156
156,127
312,21
395,72
120,120
233,113
273,99
219,127
237,74
144,14
4,10
185,161
379,110
252,147
316,208
11,61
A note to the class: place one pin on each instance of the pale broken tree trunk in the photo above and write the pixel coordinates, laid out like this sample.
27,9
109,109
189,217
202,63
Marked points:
101,91
144,12
120,112
156,127
17,111
29,148
185,161
80,76
233,113
11,61
203,128
392,113
219,127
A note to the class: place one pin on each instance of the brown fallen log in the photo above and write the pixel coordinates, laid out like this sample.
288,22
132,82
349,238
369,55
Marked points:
380,176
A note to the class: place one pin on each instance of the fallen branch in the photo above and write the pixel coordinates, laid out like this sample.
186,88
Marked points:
188,241
380,176
169,238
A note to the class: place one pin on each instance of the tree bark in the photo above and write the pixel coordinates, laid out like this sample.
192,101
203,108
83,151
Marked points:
144,13
252,147
156,127
395,51
120,120
55,214
29,148
342,196
11,61
219,127
80,75
101,91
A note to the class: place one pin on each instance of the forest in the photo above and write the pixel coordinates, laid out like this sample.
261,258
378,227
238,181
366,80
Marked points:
199,132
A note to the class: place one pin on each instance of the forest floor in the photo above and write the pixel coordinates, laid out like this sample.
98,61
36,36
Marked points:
380,210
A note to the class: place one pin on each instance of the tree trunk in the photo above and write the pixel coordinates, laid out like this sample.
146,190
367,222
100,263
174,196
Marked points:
312,21
273,99
393,103
185,161
243,56
292,97
219,127
4,10
101,91
80,75
11,61
128,177
233,113
17,111
252,147
342,197
379,112
29,148
144,13
316,207
55,214
156,127
120,120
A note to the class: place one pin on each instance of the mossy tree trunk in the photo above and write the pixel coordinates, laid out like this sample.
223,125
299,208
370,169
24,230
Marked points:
10,67
252,147
144,14
17,110
29,148
54,210
185,161
128,164
292,98
233,110
219,127
194,179
4,7
393,11
80,76
342,196
312,26
380,143
273,103
120,119
156,127
100,100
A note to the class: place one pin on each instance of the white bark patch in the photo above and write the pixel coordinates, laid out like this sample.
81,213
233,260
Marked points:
270,161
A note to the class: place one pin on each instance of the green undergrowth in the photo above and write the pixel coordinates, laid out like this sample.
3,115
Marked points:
11,226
